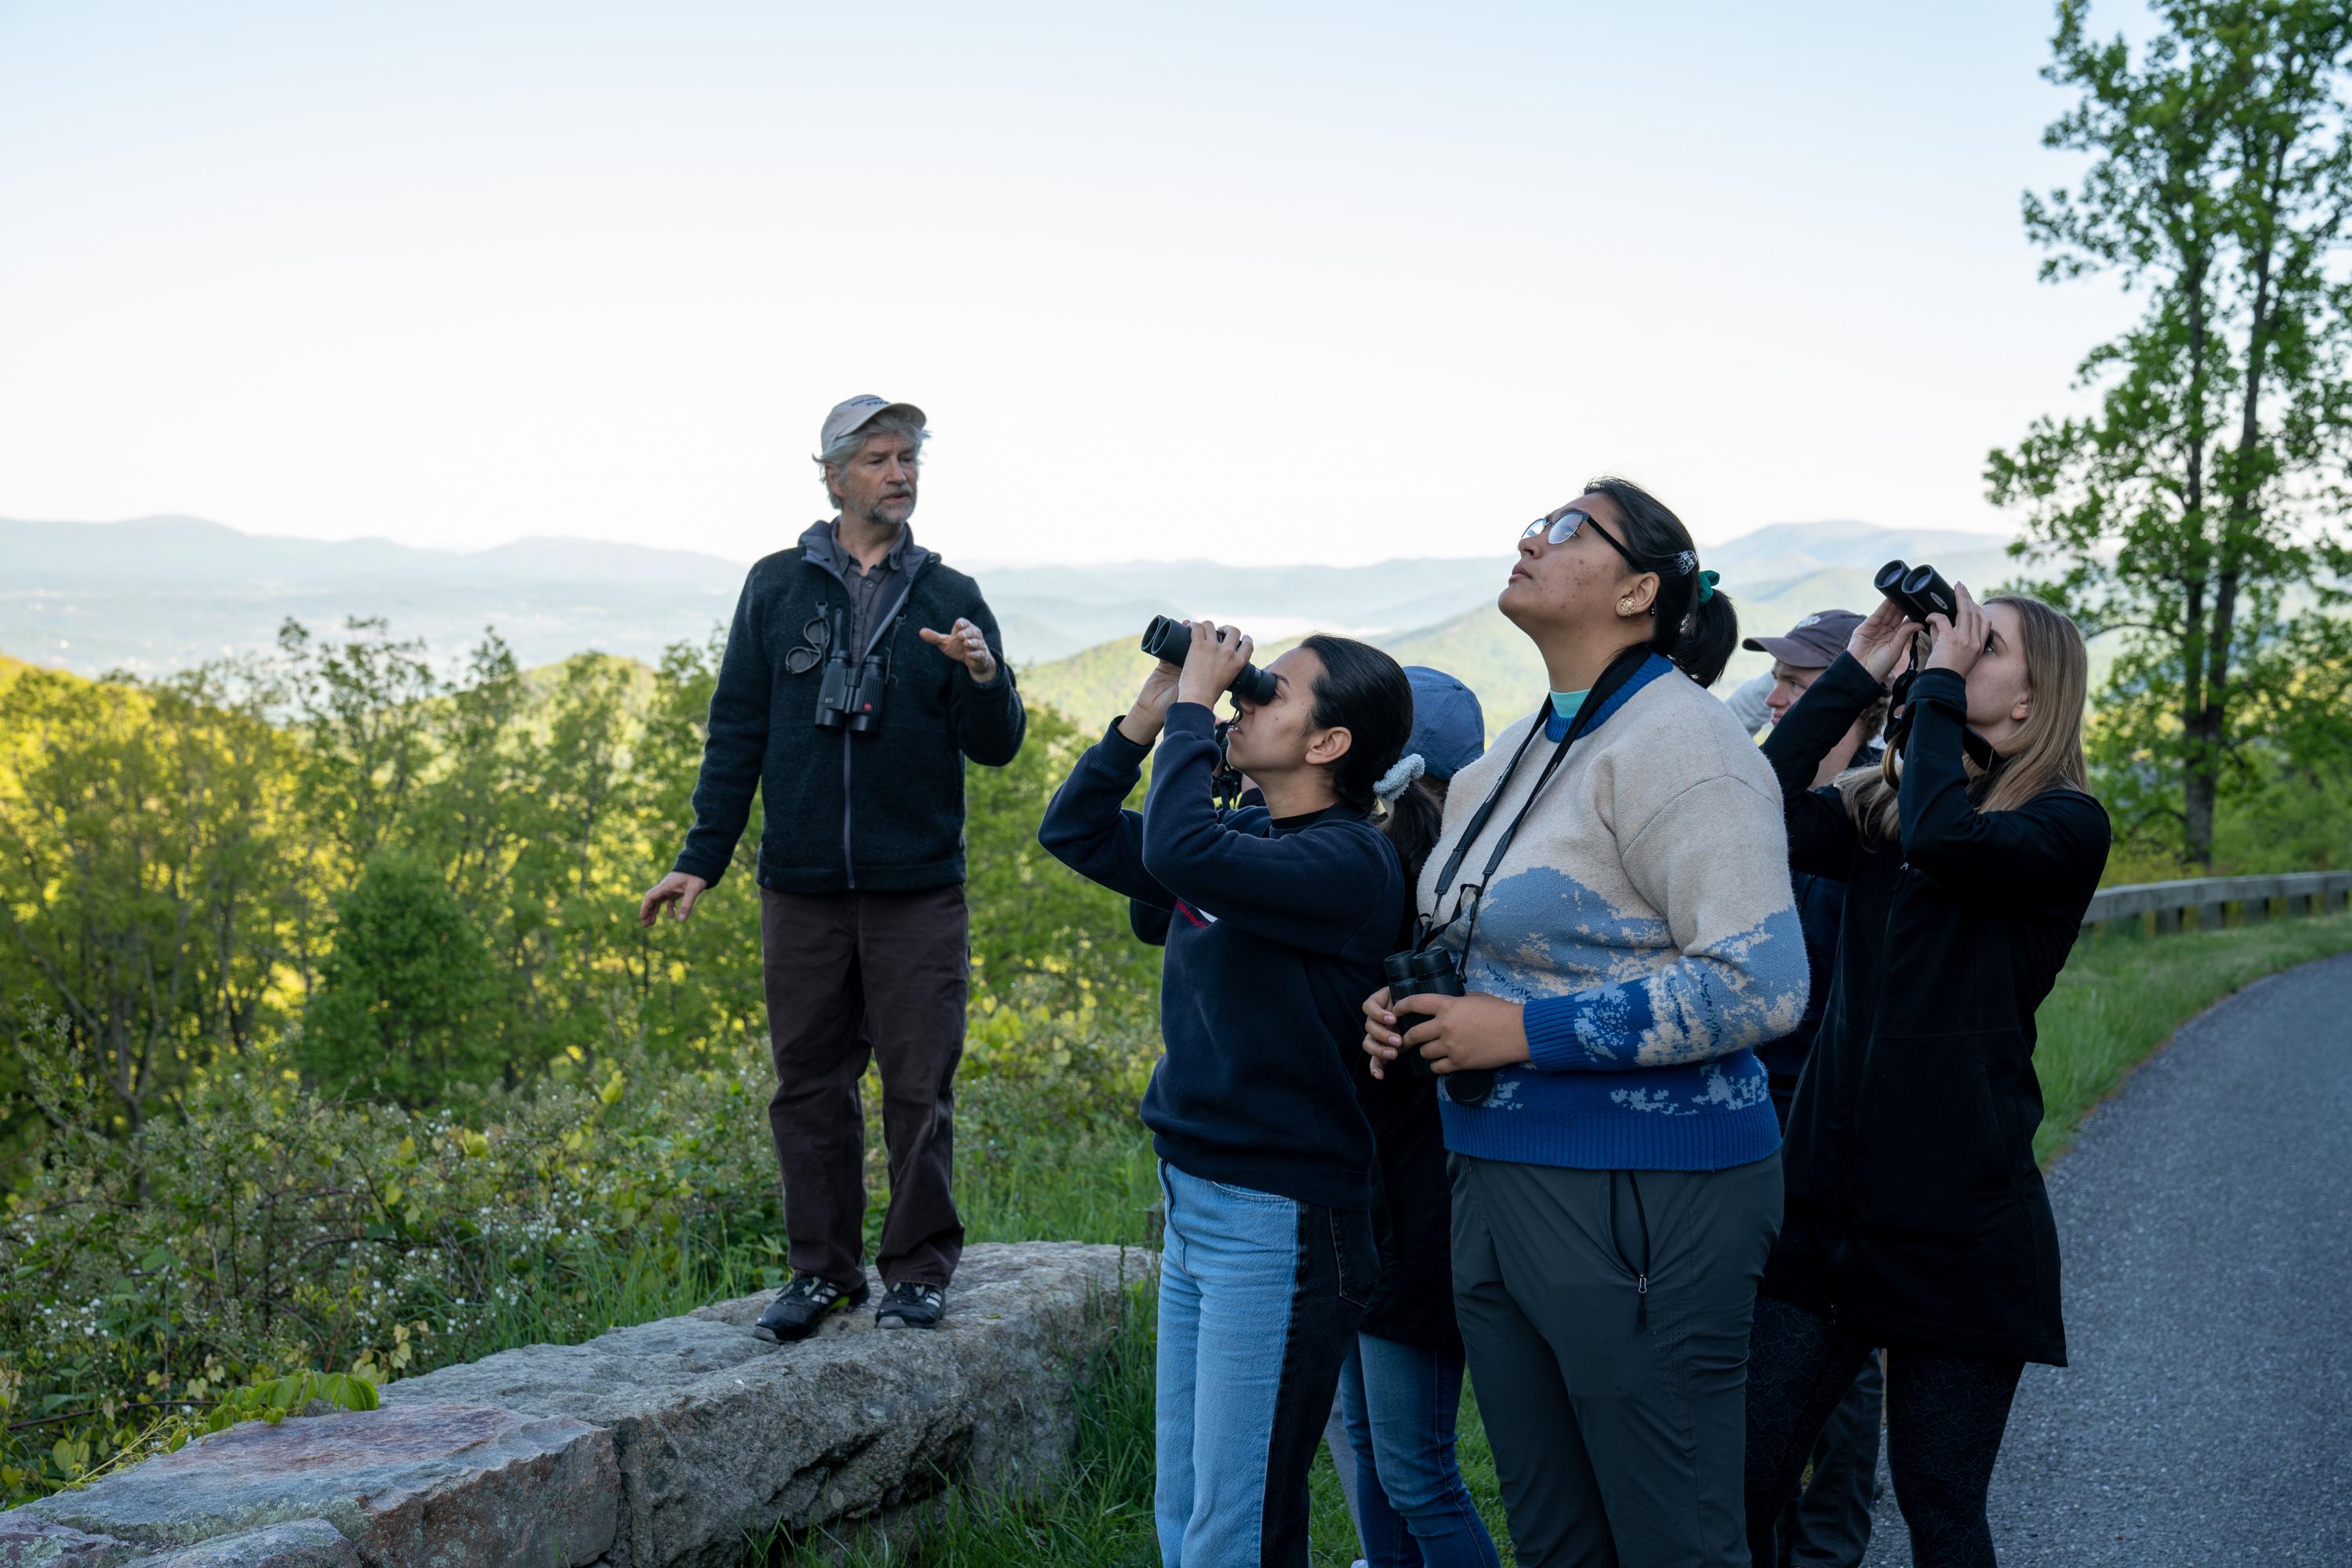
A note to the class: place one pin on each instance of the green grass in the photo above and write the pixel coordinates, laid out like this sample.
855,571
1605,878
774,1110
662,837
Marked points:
2121,996
1023,1175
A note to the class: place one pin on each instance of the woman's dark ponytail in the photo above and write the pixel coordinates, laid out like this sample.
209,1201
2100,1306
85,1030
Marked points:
1710,631
1415,818
1697,626
1365,693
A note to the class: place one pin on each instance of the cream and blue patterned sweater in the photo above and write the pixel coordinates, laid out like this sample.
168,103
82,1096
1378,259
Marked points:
1643,916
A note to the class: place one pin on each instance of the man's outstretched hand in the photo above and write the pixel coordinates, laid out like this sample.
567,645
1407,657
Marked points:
964,643
678,891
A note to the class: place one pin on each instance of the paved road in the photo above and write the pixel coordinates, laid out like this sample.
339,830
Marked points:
2206,1219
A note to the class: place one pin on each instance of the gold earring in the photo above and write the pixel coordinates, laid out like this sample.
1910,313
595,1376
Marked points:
1624,606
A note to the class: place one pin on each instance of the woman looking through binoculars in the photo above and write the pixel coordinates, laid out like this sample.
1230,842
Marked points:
1281,914
1917,1217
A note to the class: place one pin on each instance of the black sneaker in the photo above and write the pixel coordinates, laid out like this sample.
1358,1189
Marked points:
802,1307
911,1307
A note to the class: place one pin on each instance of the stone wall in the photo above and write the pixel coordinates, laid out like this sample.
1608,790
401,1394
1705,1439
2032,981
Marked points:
663,1444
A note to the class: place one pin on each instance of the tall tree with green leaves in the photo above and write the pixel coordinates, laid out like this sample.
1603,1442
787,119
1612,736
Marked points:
698,982
365,709
142,896
396,1010
2196,511
1041,932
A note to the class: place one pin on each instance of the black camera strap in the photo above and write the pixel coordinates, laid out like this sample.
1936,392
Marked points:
1224,779
1613,680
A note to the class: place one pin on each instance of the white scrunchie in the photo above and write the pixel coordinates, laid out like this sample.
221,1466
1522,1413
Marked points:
1398,779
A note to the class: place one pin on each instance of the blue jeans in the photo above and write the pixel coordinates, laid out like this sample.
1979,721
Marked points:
1413,1507
1259,1298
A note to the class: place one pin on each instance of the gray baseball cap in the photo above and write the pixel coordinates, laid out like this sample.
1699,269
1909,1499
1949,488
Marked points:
1812,643
855,414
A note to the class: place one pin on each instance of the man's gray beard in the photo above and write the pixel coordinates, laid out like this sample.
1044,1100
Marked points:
870,520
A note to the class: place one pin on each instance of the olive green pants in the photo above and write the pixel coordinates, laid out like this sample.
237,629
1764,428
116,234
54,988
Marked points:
1617,1414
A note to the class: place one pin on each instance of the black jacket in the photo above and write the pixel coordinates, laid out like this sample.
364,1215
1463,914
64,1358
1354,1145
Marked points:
1412,1195
1820,910
1412,1214
883,810
1916,1213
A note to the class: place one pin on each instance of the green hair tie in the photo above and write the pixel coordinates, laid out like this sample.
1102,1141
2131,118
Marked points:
1706,582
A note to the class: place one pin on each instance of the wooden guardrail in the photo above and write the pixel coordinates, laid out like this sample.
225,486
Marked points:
2205,899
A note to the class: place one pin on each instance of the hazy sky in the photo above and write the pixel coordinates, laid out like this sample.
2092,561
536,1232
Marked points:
1290,282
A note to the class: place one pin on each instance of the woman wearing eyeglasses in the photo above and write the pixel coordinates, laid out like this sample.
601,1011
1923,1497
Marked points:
1612,875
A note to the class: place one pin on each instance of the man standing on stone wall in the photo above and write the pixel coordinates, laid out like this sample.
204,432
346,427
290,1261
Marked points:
854,733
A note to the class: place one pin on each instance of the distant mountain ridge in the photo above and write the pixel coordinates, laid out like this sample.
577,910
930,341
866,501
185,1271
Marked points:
163,593
193,548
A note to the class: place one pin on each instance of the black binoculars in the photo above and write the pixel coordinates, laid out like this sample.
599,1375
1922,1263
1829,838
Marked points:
849,696
1920,591
1430,972
1170,639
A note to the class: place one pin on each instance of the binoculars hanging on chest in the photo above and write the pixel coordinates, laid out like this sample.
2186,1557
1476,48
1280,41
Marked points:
849,694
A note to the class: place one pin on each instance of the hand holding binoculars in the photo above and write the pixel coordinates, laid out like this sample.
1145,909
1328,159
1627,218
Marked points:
1430,972
1170,639
1918,591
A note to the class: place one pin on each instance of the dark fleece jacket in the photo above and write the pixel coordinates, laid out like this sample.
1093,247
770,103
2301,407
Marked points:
881,811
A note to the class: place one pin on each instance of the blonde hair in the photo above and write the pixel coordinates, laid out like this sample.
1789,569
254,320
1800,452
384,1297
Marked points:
2045,754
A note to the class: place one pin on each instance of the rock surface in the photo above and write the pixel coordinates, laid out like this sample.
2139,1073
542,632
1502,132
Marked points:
647,1448
305,1543
719,1433
421,1484
26,1542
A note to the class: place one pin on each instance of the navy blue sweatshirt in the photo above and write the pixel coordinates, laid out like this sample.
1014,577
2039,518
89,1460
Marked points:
1276,938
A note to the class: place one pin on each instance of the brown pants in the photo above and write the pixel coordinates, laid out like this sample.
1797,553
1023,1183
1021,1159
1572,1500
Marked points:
847,974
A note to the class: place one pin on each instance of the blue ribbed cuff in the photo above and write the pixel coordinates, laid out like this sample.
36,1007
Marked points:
1557,1042
1115,743
1554,1045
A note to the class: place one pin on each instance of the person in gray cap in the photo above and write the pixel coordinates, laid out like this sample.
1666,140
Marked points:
1809,647
1799,656
860,673
1827,1525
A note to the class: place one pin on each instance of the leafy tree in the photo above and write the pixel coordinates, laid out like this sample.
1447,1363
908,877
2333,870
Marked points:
140,894
467,816
576,883
397,1007
697,984
1040,930
364,706
2193,513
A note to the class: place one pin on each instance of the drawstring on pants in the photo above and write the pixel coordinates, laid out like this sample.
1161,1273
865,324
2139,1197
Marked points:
1642,1274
